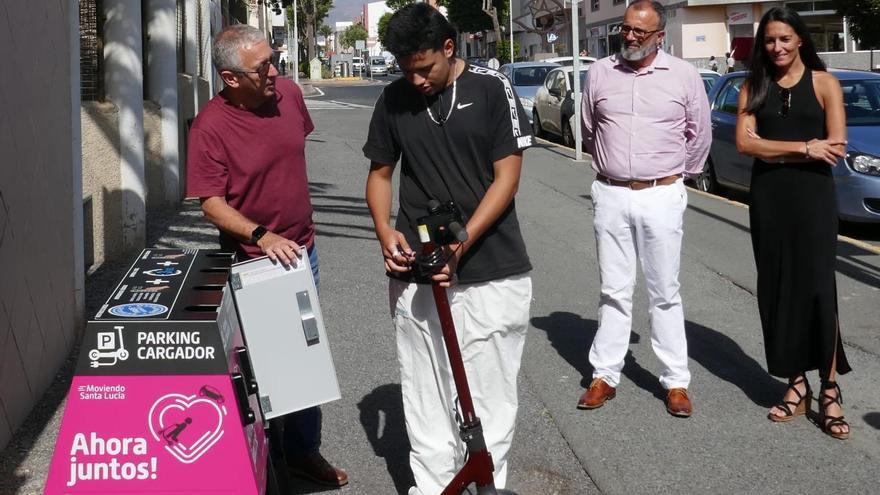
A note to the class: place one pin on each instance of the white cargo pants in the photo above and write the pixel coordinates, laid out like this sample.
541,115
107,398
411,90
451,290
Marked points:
491,320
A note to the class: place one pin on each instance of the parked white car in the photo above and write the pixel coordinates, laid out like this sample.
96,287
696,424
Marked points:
357,64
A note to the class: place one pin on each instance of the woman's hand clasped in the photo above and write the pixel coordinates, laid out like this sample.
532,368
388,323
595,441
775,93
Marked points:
827,150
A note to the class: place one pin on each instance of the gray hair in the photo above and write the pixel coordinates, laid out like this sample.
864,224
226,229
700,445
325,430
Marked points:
656,6
228,42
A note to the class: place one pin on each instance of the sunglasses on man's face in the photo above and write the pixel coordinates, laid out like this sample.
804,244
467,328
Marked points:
785,96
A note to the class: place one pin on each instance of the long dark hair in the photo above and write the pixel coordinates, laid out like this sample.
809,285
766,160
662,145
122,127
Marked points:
762,69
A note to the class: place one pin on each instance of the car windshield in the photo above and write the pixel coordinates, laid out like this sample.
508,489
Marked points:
861,99
571,79
378,61
530,76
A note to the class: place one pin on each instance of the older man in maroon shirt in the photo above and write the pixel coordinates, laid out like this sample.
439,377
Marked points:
246,163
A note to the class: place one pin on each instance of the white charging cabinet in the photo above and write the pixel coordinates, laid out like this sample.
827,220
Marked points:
284,334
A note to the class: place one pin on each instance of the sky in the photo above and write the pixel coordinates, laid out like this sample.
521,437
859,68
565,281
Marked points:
345,10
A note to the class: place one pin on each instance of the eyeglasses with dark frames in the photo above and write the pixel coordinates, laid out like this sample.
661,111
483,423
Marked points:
262,70
638,33
785,96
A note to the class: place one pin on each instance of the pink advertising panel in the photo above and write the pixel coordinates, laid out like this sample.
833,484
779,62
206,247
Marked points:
156,434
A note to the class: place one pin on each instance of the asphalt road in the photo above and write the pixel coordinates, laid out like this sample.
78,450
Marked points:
629,446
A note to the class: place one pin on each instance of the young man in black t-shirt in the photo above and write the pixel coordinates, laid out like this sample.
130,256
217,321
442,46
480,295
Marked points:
459,132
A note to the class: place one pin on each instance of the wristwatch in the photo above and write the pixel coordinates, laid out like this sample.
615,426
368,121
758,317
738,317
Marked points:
258,234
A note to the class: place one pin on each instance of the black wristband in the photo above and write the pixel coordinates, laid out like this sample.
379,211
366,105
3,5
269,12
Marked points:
258,234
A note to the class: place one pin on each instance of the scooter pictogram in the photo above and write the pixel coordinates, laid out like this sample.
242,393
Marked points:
118,353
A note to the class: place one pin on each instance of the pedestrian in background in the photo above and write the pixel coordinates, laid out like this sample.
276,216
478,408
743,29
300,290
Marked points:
646,124
246,163
792,120
731,62
713,64
459,133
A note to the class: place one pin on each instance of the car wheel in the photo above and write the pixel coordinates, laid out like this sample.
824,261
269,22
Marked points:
537,130
567,136
707,181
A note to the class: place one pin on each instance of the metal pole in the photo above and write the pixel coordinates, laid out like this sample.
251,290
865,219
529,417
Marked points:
296,46
510,15
576,80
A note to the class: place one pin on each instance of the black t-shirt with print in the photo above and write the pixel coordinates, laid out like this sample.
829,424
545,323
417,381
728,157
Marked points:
448,153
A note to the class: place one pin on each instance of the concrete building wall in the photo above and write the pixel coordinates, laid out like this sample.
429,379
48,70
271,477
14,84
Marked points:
101,182
40,202
703,33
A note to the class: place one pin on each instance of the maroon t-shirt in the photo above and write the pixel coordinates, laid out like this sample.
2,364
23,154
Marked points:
256,160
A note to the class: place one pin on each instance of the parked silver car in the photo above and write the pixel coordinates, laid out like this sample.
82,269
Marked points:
554,104
526,78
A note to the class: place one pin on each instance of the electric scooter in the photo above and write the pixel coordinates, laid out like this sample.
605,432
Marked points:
443,226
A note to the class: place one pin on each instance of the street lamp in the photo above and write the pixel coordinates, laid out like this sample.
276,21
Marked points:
510,20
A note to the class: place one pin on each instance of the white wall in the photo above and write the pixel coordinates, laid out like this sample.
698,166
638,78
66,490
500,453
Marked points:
40,202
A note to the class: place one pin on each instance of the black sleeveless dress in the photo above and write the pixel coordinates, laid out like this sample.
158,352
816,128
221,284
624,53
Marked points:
793,217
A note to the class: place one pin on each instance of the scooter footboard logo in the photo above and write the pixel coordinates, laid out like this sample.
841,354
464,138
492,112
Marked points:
188,426
110,348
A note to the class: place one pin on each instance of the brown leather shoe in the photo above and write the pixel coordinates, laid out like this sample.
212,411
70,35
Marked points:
678,403
596,395
315,468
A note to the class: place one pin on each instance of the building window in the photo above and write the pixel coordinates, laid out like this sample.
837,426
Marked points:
827,32
91,50
859,47
594,5
824,24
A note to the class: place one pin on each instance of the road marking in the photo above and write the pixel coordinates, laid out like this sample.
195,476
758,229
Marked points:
314,104
849,240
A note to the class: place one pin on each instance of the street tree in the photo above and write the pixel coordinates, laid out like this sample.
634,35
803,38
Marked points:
326,31
383,27
395,5
309,15
471,16
863,19
352,34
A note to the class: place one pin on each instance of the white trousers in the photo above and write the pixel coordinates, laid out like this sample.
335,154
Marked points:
645,226
491,320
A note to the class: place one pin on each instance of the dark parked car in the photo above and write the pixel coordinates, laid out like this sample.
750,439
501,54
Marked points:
554,104
857,177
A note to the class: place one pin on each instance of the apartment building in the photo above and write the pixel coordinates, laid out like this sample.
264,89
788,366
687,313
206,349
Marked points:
698,29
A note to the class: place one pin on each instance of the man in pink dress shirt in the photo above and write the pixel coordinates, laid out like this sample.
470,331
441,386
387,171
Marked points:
646,124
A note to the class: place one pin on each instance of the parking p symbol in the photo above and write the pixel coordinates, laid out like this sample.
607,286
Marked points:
106,340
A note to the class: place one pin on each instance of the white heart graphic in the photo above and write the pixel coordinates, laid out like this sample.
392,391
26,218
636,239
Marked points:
209,427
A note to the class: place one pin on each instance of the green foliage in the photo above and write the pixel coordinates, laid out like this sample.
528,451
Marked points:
468,15
395,5
502,51
353,33
863,19
383,26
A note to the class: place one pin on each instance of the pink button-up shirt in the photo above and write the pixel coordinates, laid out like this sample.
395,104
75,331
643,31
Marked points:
648,124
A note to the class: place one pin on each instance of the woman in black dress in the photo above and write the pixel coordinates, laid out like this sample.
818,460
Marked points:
792,120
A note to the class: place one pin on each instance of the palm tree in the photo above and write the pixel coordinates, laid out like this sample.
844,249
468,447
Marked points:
326,31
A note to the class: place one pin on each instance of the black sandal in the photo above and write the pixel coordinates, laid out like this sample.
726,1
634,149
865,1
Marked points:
800,407
828,422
